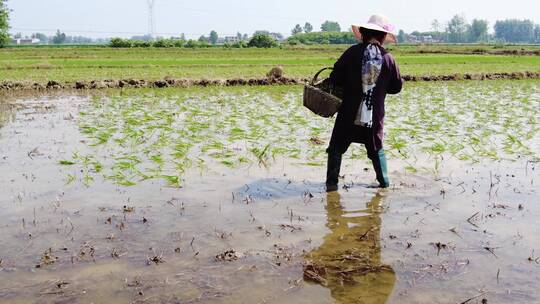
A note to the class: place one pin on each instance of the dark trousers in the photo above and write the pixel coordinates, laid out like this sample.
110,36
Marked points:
338,147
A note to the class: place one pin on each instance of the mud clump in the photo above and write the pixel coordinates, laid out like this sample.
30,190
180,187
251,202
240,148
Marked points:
80,85
54,85
103,84
130,83
228,256
161,84
38,86
235,82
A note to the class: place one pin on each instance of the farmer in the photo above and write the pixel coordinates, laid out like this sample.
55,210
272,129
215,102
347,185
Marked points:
366,72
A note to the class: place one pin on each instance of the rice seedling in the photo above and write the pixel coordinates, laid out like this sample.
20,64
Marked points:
148,134
66,163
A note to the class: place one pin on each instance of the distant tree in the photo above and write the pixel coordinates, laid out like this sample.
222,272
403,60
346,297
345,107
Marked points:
323,38
163,43
537,33
203,44
179,43
239,36
240,44
330,26
478,30
203,39
297,30
43,39
435,25
513,30
120,43
141,43
278,36
457,29
183,37
191,44
4,24
438,36
59,38
262,41
401,37
213,39
245,37
308,28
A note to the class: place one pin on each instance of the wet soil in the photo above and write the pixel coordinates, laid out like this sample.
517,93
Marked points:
465,234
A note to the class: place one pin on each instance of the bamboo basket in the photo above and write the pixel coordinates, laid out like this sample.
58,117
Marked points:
322,97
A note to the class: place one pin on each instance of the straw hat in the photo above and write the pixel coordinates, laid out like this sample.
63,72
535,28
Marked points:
378,23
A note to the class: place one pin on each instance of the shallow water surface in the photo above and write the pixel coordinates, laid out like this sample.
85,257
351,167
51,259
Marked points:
251,231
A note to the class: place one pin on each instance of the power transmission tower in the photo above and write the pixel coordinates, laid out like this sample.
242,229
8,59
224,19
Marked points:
151,19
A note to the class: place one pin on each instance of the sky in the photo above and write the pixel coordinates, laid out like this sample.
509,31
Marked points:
125,18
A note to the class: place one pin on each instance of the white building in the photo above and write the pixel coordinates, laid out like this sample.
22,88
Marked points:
231,39
25,41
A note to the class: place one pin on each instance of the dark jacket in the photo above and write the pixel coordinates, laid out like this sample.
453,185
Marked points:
347,74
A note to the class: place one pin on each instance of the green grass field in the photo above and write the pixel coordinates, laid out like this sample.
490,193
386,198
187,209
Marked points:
96,63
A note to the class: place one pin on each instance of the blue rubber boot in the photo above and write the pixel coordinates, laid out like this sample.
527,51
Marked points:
381,168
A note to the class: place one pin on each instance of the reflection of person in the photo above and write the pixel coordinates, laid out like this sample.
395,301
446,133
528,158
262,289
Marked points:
366,72
349,260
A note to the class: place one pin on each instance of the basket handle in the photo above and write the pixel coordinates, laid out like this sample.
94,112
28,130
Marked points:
318,73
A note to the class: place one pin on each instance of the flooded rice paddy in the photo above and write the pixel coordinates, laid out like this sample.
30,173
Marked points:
215,195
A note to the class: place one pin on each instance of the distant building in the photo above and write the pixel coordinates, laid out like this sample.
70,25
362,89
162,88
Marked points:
231,39
25,41
421,39
427,39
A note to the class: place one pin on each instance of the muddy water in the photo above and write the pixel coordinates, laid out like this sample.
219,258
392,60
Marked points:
256,235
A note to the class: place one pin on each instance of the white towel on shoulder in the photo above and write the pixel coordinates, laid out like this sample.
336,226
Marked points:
371,70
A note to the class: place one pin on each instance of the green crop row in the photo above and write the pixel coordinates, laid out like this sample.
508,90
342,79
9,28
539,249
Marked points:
136,135
73,64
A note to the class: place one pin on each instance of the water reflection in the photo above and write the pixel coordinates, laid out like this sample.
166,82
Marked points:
349,260
276,188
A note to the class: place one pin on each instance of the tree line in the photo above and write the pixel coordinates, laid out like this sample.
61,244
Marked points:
327,26
258,40
4,24
457,30
61,38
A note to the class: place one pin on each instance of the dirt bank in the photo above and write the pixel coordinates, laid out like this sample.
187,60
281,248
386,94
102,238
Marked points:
479,76
479,51
172,82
